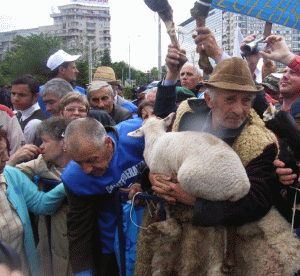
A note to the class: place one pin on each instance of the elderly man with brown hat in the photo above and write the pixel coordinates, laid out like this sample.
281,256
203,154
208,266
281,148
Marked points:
226,113
107,74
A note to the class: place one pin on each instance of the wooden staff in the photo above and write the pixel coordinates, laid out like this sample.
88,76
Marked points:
165,12
200,12
268,28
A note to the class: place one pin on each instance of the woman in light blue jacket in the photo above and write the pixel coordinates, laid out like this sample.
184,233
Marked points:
23,195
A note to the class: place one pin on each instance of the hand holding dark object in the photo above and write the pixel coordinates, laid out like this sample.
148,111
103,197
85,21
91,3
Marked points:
165,12
200,12
279,49
205,39
285,174
134,188
173,62
285,127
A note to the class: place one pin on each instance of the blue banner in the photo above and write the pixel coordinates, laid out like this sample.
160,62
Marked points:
283,12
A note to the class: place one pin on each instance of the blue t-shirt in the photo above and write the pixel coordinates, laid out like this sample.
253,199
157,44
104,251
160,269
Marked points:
124,169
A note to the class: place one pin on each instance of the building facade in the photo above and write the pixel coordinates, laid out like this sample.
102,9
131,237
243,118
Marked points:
186,41
75,24
223,25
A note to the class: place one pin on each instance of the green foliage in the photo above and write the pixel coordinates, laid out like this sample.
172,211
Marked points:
28,55
106,59
121,69
82,78
154,73
127,92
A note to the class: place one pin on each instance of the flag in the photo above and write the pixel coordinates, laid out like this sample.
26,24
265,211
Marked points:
286,13
238,38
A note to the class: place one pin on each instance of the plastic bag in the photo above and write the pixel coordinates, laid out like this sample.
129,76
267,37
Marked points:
130,232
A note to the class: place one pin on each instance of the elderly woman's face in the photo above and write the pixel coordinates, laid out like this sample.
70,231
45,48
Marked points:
51,149
147,112
3,154
74,111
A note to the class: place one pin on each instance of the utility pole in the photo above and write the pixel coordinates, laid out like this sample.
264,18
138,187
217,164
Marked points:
159,48
129,62
90,62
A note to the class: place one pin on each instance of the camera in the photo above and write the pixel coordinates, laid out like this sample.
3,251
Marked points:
254,46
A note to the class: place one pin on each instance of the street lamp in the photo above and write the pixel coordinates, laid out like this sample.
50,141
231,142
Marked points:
129,73
159,48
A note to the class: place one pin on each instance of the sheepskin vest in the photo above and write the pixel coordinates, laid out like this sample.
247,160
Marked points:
249,144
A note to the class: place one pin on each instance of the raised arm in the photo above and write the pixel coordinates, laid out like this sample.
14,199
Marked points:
279,50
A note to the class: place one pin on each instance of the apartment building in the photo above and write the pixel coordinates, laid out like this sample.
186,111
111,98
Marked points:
223,25
76,24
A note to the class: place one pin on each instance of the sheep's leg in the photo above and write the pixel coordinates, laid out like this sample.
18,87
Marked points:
164,237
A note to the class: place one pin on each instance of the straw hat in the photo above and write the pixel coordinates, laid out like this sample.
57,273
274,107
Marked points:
104,73
233,74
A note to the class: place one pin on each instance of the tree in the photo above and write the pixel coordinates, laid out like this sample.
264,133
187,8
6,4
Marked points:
28,55
82,78
106,59
121,69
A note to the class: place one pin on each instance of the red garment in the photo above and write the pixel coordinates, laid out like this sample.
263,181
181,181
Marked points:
295,64
269,99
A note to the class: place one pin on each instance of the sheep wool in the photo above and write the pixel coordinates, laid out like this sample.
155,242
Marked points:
264,247
196,175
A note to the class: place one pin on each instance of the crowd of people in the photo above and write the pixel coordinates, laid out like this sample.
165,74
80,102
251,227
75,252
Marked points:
65,151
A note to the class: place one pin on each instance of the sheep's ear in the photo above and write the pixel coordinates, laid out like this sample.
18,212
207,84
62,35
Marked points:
168,120
135,134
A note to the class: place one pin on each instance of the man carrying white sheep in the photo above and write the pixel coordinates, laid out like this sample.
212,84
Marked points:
227,114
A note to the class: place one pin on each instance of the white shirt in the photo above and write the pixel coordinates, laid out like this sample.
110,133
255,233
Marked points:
31,126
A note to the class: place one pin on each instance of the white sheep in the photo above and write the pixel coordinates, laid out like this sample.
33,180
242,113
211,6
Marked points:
207,167
203,163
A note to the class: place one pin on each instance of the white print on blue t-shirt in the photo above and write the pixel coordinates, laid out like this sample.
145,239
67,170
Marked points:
126,175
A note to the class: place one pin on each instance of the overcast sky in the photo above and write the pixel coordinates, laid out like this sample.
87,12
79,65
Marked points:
131,20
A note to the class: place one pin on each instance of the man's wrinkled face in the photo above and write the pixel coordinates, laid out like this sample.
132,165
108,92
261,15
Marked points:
91,158
102,99
289,84
188,78
51,101
229,108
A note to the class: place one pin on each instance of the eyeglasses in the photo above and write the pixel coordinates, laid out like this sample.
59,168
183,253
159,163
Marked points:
72,109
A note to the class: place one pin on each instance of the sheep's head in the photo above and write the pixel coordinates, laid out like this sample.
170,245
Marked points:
152,121
270,113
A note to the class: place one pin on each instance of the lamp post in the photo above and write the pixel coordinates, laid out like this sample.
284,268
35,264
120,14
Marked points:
90,61
129,73
159,48
129,62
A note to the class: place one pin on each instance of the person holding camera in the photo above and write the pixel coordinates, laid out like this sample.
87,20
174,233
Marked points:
250,48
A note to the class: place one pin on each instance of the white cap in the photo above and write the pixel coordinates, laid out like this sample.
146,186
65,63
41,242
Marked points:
60,57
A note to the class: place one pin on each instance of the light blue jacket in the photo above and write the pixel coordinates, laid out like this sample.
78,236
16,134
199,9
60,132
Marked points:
24,195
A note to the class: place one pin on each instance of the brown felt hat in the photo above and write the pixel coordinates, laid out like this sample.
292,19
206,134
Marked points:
233,74
104,73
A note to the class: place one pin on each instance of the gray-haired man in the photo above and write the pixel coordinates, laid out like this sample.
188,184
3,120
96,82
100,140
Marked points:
101,96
